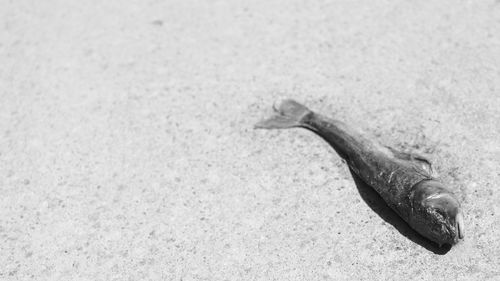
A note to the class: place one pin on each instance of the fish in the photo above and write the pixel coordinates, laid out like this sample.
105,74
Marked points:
404,180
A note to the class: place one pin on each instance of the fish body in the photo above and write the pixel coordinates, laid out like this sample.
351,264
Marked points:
403,180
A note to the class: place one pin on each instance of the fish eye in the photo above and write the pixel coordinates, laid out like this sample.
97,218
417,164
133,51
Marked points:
441,212
443,204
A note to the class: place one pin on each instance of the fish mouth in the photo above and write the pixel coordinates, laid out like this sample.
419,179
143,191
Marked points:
459,225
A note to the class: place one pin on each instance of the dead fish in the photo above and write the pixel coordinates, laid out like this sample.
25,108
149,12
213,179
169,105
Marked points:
404,180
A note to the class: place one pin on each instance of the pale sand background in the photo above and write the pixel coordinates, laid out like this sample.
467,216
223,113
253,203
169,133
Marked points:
127,150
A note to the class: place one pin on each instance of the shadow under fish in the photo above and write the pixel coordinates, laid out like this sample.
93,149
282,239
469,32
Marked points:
404,182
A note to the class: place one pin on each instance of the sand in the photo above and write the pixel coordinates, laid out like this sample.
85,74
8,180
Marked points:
127,148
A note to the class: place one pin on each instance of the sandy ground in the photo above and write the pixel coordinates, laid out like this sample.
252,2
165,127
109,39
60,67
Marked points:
127,150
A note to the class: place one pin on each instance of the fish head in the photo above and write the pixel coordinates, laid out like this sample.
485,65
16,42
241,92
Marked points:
437,214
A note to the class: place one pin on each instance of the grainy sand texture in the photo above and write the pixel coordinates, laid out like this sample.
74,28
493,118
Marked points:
127,148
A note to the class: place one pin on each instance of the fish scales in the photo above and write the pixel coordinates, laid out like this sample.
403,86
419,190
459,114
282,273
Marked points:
375,164
403,180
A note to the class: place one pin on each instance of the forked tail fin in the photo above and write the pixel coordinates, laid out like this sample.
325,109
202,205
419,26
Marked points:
289,114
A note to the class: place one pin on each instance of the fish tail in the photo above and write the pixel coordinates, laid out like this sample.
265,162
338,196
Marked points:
289,114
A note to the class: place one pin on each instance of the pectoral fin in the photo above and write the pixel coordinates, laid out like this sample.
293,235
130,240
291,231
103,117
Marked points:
421,160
